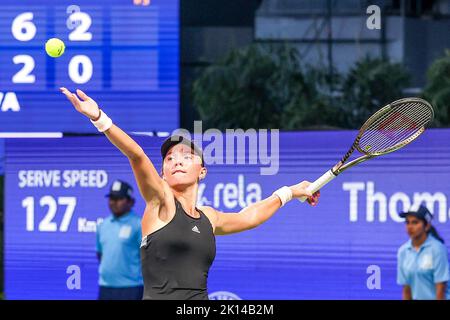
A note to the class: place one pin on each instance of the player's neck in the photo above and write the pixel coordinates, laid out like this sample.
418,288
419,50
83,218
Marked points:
188,199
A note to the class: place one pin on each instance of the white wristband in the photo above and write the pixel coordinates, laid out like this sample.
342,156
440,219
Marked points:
103,123
285,195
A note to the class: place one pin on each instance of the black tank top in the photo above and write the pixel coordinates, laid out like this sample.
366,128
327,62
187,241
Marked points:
176,258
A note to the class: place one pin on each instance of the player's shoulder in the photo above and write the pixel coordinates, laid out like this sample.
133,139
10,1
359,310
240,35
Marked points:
207,209
210,212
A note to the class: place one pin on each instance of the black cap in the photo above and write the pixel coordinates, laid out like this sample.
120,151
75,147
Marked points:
176,139
421,213
120,189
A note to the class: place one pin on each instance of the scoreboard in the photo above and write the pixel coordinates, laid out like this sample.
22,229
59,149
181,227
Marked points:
123,53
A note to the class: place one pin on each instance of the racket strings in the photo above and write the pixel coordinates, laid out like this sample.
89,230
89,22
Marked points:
384,137
394,136
391,129
399,111
376,123
395,127
402,136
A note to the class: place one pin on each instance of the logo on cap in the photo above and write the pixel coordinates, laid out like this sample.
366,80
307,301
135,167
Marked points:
120,189
116,186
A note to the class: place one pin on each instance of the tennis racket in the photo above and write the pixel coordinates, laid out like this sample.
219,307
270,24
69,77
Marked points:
389,129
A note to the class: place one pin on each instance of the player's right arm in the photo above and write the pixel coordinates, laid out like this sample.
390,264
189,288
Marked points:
150,184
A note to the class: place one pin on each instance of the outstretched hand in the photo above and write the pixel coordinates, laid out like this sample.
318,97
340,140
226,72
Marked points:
300,190
86,105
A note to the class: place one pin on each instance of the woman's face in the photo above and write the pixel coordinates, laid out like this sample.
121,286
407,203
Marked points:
181,167
415,227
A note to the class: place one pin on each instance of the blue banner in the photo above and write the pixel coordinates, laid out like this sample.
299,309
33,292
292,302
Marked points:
55,196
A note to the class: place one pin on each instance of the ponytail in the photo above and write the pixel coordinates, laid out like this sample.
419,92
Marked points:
435,234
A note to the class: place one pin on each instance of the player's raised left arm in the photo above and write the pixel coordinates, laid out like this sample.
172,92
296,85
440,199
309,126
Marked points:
150,184
259,212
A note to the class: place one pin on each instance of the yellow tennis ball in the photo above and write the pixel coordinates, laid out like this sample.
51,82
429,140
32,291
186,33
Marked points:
54,47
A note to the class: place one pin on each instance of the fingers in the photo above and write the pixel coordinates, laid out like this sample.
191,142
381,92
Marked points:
69,95
77,101
314,199
82,95
66,92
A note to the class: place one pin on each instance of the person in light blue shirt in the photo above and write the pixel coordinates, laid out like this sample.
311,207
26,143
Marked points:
422,262
118,247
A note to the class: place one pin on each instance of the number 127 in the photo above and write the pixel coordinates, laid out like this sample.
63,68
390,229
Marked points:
46,224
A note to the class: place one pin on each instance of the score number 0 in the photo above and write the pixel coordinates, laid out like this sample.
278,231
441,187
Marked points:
23,29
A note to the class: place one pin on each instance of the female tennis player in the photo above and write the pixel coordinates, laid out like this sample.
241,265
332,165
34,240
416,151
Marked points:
178,246
422,266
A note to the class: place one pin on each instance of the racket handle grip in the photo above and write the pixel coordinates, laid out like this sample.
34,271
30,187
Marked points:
319,183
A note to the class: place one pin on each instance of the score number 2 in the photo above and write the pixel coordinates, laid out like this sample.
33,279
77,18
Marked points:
46,224
23,29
